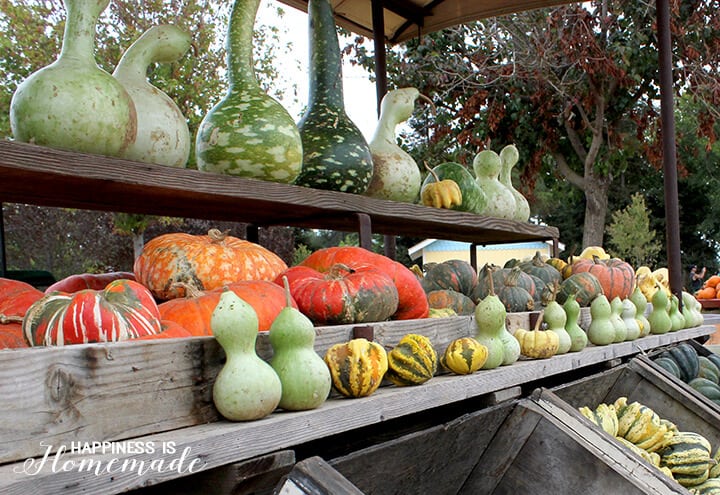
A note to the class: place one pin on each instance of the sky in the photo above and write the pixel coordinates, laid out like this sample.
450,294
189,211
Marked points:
358,90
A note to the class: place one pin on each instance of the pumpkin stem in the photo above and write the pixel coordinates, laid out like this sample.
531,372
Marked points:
435,176
491,282
334,271
539,320
217,236
288,298
190,290
5,319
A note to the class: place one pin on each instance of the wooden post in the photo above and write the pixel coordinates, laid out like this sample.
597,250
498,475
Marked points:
365,230
3,260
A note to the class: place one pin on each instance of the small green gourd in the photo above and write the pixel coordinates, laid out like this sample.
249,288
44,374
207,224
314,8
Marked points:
500,201
248,133
511,346
631,323
72,103
555,318
692,310
162,131
601,330
659,317
247,387
578,337
490,317
509,156
396,175
638,299
336,156
305,377
676,317
616,308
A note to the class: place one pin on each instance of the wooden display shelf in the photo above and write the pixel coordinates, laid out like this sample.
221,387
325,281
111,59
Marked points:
51,177
710,303
156,391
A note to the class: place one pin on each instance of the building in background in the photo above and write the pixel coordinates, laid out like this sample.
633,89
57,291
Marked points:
439,250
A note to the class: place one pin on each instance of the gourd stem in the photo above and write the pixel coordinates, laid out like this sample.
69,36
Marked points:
325,62
4,319
435,176
80,24
539,320
239,44
217,236
288,298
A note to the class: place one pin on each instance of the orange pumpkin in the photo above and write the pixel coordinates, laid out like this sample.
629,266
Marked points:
205,262
16,297
11,335
706,293
193,311
170,330
616,277
713,281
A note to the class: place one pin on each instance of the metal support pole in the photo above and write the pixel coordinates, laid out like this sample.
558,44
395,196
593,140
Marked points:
672,211
252,233
473,256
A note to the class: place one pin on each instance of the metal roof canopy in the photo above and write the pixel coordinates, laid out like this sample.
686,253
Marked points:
395,21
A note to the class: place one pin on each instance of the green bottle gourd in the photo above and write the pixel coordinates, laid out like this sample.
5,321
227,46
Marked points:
248,133
631,323
659,317
676,317
247,387
304,376
691,310
500,201
511,346
72,103
601,330
555,318
638,299
616,308
509,156
396,175
162,131
335,154
578,337
490,317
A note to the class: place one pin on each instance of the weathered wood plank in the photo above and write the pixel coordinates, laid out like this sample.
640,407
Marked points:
314,476
220,442
50,177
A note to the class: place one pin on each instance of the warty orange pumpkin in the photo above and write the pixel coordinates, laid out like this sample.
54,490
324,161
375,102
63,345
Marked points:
616,277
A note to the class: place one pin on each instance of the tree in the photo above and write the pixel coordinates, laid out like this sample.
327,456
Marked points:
630,235
574,87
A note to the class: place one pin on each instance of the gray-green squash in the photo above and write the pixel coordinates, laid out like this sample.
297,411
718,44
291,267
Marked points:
248,133
336,156
72,103
162,132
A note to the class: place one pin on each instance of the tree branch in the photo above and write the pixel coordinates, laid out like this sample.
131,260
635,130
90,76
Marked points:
570,175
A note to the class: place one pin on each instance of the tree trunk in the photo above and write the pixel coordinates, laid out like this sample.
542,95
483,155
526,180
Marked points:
138,243
596,205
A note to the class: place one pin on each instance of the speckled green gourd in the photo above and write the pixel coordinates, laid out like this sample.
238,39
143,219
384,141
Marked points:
676,317
638,299
555,318
631,323
247,387
396,175
659,317
490,317
509,156
616,308
336,156
162,135
304,375
578,337
72,103
601,330
248,133
500,201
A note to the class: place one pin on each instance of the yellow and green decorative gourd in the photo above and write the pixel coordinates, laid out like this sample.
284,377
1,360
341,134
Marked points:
248,133
536,343
413,361
357,367
247,387
464,356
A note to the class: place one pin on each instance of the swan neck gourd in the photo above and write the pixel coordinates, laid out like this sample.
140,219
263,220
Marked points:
159,44
396,107
239,45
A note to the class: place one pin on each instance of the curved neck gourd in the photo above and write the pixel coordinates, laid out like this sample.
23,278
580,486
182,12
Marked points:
397,107
325,64
159,44
239,44
80,25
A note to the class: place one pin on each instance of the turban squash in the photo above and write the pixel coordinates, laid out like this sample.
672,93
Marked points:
204,261
15,298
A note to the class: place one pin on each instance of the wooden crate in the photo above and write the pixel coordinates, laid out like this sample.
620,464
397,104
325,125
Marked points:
538,445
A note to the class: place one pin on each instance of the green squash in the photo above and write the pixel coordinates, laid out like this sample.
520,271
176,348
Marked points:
708,388
248,133
708,370
685,356
669,365
474,199
583,286
336,156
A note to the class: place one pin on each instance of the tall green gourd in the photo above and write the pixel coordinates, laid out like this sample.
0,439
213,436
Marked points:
578,337
659,317
72,103
490,316
676,317
247,133
616,309
162,132
638,299
247,387
555,318
336,156
304,375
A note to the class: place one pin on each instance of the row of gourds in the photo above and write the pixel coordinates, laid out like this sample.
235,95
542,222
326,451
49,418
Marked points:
684,456
73,104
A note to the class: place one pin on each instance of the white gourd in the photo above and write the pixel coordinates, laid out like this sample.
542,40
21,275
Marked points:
500,201
509,156
629,311
396,175
162,131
